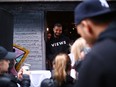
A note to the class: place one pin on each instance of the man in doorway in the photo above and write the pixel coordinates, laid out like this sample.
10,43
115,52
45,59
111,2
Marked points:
95,22
58,43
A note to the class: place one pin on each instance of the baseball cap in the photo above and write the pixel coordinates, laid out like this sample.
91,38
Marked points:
4,54
91,8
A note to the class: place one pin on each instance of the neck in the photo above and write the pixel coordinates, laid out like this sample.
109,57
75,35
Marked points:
99,29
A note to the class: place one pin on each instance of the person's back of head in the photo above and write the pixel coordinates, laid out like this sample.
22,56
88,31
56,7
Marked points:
48,83
61,67
77,47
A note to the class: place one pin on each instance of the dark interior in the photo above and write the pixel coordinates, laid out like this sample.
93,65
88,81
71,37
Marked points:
66,18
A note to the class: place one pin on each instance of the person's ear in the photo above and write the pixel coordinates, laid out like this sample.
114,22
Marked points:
87,27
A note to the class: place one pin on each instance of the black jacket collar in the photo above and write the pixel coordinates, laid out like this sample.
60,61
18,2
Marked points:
110,32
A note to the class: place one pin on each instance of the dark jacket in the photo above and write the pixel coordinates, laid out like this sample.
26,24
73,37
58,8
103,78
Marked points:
9,80
77,65
53,83
57,45
99,67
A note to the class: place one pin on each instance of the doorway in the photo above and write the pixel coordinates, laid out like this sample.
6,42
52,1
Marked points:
66,19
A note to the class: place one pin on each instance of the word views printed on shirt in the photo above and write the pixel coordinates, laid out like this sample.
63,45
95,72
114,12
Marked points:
58,43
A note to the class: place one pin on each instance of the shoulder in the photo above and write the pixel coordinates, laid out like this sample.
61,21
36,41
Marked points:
8,81
106,44
96,58
69,79
69,82
48,83
103,50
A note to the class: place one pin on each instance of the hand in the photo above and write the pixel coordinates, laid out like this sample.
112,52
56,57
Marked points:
21,72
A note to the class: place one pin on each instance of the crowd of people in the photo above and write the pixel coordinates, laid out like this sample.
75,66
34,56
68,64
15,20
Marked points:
89,62
93,55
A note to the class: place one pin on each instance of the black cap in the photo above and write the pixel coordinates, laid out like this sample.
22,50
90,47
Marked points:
4,54
91,8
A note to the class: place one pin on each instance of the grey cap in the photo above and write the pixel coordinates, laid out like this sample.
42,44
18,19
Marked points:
4,54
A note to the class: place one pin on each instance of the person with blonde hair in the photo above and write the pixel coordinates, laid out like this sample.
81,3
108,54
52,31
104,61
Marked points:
76,49
77,52
61,72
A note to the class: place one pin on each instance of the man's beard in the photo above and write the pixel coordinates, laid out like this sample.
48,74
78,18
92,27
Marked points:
57,36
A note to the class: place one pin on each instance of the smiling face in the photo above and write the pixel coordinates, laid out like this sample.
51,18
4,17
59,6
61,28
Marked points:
57,31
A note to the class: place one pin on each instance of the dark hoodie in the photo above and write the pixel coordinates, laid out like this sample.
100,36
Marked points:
57,45
99,67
